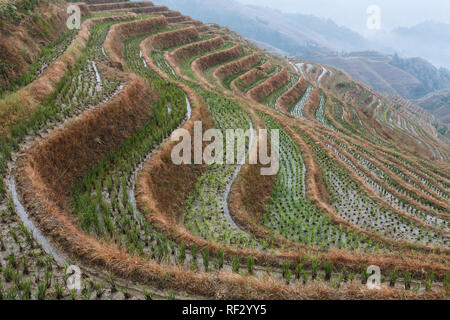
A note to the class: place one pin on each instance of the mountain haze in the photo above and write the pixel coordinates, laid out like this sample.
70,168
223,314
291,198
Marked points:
294,34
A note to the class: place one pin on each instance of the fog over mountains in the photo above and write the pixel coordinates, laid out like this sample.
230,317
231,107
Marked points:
291,33
352,13
412,30
429,40
410,59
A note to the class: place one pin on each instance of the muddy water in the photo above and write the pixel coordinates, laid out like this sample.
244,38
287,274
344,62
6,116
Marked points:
300,69
303,179
143,59
22,213
297,111
103,46
324,72
97,75
189,109
228,187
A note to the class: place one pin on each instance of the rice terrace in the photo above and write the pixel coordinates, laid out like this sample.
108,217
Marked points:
93,207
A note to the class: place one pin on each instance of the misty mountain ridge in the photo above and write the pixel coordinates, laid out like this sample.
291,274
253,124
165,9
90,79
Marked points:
431,78
429,40
427,30
294,34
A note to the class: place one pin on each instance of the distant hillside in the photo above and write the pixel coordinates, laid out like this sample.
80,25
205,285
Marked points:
294,34
431,78
430,40
412,78
328,32
438,103
375,70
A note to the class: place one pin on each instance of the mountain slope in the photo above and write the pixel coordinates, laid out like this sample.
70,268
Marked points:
437,103
93,168
429,40
411,78
431,78
375,70
20,21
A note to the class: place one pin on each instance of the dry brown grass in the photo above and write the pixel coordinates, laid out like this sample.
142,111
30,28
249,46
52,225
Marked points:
236,66
41,200
317,196
261,91
196,23
254,189
204,62
21,104
141,10
17,52
119,32
402,141
171,13
250,194
169,39
119,5
316,193
253,75
167,176
84,8
203,28
90,2
288,99
312,104
148,204
197,48
66,155
178,19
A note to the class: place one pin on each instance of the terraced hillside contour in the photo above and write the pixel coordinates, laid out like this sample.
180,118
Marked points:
87,175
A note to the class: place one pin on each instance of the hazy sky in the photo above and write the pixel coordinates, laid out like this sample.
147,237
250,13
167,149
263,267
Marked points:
352,13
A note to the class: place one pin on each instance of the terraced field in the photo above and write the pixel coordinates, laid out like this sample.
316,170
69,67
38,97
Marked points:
87,176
